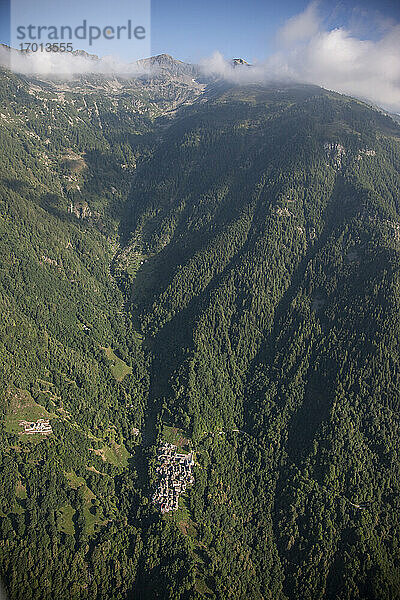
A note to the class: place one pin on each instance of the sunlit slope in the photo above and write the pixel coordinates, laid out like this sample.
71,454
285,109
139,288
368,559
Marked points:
267,223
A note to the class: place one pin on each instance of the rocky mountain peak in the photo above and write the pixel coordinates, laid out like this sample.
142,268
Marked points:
164,64
237,62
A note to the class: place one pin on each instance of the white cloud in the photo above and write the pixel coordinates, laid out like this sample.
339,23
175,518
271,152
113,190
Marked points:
335,59
59,65
300,27
338,59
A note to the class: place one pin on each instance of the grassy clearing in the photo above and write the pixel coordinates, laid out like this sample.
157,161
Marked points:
65,519
119,368
182,519
18,509
72,163
93,514
182,515
185,525
20,491
94,470
202,588
176,436
77,482
115,454
22,407
93,519
74,480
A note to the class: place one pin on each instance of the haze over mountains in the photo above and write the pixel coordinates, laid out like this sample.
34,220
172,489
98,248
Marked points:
359,56
195,260
71,65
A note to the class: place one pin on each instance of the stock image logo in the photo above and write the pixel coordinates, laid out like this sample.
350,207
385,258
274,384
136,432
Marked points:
90,26
64,36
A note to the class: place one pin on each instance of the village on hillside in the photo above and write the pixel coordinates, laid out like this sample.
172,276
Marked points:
174,475
40,426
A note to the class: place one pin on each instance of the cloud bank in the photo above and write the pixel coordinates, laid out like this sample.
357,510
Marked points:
56,65
339,59
300,27
336,59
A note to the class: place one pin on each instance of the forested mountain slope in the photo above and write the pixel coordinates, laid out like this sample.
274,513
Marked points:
67,348
269,219
227,278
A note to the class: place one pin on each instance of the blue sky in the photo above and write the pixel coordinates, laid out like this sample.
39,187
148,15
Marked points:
235,28
190,30
247,29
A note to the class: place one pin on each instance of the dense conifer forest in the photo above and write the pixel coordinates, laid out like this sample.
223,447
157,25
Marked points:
224,276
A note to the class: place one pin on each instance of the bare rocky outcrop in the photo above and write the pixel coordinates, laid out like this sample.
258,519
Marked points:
335,153
80,209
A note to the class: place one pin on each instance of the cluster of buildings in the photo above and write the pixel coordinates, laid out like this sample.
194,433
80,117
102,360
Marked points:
175,473
40,426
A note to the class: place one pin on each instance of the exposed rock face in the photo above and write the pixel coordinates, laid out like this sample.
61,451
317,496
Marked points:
85,54
153,85
283,212
237,62
164,64
335,153
80,209
366,152
49,261
396,229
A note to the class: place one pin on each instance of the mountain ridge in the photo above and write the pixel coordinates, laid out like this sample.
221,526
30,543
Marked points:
163,67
